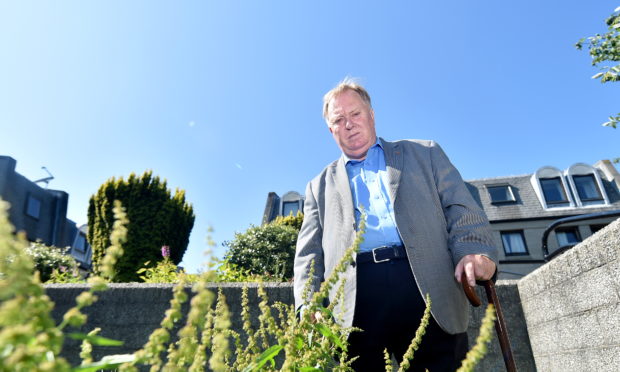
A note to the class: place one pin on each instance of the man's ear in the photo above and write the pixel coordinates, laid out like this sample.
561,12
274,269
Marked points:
330,129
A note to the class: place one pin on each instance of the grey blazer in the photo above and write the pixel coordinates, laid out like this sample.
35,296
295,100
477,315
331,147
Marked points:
438,220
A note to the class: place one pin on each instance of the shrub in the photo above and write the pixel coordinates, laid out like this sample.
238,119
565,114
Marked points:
47,259
267,250
158,218
164,271
290,220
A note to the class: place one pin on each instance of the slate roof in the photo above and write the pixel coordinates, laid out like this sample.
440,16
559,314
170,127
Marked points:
527,205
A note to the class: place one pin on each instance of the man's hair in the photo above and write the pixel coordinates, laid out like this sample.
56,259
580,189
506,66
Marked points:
347,83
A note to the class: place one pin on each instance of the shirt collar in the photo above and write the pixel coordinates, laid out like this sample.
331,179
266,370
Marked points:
348,160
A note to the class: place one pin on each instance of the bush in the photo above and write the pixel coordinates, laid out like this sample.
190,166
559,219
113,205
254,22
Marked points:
164,271
47,259
158,218
290,220
267,250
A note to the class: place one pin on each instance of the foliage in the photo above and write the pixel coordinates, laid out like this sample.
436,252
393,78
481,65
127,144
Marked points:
225,271
475,355
606,48
64,276
290,220
165,271
267,250
29,340
158,218
46,259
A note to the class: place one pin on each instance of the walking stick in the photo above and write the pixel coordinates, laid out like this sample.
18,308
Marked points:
500,324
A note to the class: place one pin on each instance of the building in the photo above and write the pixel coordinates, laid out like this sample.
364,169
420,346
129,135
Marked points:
520,208
290,203
41,213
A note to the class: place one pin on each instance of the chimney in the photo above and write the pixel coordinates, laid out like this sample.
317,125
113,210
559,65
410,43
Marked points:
610,172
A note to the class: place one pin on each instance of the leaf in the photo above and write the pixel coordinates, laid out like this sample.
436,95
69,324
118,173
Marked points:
107,362
299,341
266,356
310,369
330,335
96,340
598,75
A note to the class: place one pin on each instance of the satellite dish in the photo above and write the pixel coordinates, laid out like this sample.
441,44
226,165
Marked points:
45,179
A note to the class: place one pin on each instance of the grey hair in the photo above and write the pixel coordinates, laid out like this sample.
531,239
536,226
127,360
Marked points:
348,83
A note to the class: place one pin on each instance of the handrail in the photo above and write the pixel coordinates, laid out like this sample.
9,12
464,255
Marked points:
590,216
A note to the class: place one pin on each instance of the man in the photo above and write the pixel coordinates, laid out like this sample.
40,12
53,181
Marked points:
423,230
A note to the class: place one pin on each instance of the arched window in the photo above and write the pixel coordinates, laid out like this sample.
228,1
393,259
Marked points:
551,188
587,185
291,203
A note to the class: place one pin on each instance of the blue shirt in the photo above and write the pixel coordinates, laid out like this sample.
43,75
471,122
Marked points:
368,180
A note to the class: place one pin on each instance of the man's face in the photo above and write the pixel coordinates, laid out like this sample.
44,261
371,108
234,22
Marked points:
352,123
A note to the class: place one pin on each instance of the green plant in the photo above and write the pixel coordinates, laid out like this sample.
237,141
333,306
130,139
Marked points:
46,259
606,48
158,218
479,350
225,271
29,340
290,220
164,271
64,275
266,250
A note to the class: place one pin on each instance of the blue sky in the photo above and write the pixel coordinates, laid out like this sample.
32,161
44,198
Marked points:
223,99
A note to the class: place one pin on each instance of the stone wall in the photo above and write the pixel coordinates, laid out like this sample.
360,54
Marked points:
130,312
572,306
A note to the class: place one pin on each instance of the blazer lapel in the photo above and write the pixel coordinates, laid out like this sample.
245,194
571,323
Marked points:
394,165
341,180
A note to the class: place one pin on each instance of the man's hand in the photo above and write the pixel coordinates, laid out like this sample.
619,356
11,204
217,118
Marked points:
476,267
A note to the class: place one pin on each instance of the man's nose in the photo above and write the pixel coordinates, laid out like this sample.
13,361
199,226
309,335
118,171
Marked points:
348,124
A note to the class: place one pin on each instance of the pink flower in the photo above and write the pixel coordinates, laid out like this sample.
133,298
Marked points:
165,251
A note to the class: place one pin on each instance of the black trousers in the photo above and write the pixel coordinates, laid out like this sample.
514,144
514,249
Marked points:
388,309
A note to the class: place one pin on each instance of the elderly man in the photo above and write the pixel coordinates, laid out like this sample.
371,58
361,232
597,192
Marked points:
423,230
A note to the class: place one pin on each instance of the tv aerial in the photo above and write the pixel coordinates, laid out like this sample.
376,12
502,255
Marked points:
45,179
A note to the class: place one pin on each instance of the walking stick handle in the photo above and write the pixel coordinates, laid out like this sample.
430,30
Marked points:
473,298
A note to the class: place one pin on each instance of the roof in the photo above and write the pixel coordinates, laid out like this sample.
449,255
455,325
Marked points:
527,205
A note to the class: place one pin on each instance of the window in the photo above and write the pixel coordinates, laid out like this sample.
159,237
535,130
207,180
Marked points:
289,208
501,194
587,188
33,207
596,228
568,236
553,190
514,243
80,243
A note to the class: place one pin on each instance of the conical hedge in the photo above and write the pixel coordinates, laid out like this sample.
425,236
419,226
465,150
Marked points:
156,218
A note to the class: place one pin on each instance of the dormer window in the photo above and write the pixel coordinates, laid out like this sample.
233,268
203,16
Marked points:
501,194
587,189
291,203
587,185
290,208
553,190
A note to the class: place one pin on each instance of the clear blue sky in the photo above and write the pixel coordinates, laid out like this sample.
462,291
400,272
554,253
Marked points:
223,99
